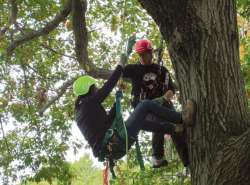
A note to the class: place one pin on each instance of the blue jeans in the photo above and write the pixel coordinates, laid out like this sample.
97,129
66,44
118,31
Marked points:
137,121
158,138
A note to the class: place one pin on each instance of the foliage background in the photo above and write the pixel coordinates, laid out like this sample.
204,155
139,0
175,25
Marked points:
34,140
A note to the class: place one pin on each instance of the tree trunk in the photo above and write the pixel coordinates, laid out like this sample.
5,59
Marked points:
203,44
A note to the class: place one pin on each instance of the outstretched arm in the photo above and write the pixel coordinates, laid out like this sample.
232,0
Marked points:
109,85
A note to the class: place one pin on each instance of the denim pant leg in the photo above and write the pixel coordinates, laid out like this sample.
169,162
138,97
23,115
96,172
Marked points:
157,145
158,138
180,142
158,127
135,122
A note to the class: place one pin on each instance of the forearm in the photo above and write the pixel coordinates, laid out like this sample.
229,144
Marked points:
110,84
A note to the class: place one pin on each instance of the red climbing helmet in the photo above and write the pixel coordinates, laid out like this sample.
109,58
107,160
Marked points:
143,45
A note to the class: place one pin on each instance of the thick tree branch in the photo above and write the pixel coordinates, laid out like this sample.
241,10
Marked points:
45,30
170,18
81,43
81,40
13,11
60,92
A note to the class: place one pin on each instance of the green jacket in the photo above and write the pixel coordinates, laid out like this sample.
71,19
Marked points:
160,100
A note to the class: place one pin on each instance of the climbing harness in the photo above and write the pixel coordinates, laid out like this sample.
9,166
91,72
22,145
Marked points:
160,52
116,142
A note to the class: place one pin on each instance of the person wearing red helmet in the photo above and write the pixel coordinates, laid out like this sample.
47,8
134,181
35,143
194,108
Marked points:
95,123
150,81
144,48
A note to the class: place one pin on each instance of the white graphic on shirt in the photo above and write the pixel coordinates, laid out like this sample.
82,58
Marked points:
149,80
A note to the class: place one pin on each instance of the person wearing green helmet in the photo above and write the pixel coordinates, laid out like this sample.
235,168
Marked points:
82,85
91,117
93,120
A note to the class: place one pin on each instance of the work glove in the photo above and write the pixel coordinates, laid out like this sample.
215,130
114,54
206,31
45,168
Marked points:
123,60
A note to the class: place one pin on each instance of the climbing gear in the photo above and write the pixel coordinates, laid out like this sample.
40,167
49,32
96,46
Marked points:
116,142
128,49
160,52
82,84
130,44
139,154
159,58
160,63
105,174
143,45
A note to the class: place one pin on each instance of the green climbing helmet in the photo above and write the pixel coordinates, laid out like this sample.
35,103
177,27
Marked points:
82,84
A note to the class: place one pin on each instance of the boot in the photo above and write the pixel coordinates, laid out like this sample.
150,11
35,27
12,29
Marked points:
188,113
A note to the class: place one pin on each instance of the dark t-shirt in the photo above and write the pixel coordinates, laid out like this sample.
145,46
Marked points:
148,81
91,117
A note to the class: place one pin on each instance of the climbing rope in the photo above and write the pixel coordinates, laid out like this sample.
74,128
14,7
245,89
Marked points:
116,125
119,111
105,174
124,58
123,19
160,52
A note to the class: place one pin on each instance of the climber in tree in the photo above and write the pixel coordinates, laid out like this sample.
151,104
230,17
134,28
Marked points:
149,81
94,121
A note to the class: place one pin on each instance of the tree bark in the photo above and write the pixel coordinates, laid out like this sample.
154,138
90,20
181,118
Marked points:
203,44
